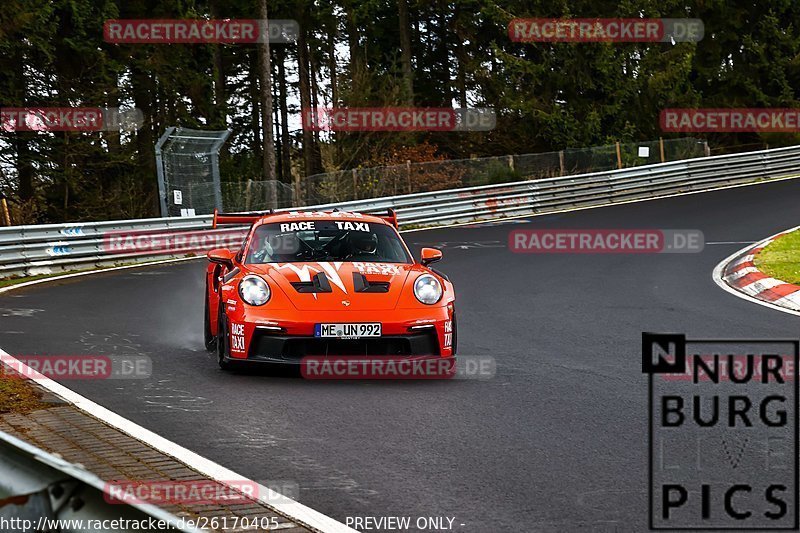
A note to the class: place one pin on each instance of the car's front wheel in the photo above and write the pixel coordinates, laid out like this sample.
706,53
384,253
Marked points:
455,333
223,343
209,339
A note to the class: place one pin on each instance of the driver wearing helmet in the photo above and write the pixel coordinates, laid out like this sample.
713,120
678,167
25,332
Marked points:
363,245
286,244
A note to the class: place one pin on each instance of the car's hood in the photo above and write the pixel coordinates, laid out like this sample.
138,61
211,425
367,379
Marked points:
343,293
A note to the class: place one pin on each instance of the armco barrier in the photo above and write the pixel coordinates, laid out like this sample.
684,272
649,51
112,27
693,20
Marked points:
41,249
40,488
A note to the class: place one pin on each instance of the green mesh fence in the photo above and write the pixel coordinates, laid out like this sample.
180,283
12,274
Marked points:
357,184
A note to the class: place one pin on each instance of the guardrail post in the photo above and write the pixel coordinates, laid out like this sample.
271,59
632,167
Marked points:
707,150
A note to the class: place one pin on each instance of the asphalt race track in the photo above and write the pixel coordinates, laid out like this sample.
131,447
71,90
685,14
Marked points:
557,441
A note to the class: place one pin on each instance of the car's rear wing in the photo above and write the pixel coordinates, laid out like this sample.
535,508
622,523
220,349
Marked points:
391,217
237,218
253,217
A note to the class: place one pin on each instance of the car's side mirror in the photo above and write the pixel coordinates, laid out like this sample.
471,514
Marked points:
221,256
430,255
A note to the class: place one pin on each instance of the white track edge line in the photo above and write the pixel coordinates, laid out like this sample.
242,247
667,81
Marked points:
93,271
294,510
716,275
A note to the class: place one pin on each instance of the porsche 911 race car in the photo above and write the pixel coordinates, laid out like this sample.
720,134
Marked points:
326,283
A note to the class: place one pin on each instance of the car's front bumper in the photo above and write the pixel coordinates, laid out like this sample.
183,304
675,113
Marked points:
267,346
280,338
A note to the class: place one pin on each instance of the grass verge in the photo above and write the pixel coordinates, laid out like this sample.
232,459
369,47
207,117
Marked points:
18,396
780,259
17,281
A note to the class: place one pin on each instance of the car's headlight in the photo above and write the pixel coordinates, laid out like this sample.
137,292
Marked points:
254,290
427,289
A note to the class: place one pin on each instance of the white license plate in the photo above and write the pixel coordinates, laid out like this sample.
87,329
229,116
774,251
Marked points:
349,330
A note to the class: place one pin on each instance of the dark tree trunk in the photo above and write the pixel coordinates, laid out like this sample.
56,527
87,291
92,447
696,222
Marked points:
144,92
305,101
279,170
286,141
461,58
268,161
21,140
315,104
255,102
444,60
356,56
332,67
405,52
218,119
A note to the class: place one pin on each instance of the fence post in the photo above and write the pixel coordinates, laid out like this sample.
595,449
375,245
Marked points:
355,185
162,185
511,163
661,148
561,161
6,215
299,197
408,174
619,156
707,149
247,194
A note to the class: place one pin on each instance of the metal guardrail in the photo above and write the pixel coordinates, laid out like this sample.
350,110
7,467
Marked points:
42,249
38,488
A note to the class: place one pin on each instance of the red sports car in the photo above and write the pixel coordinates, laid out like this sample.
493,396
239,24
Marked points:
326,283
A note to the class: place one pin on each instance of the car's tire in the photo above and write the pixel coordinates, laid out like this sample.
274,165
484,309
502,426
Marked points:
223,353
455,333
209,339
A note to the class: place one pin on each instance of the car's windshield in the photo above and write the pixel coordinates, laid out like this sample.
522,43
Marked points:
325,240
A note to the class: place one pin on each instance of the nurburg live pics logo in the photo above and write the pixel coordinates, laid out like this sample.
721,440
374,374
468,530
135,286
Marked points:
722,433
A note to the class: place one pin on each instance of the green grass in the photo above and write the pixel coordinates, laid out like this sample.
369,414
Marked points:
16,281
781,258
